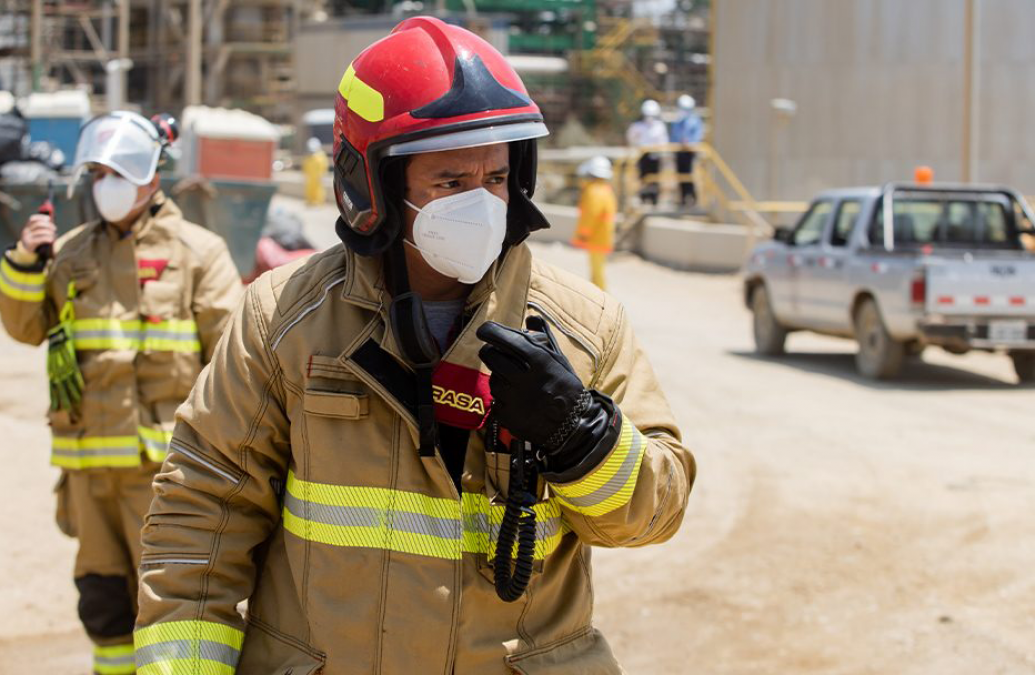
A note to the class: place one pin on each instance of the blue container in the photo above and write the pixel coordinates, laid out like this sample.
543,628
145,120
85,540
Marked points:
61,132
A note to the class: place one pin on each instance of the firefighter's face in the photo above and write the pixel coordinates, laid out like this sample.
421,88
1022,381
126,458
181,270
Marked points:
433,175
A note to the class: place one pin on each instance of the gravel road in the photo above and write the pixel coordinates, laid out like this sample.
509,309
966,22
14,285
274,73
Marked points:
837,525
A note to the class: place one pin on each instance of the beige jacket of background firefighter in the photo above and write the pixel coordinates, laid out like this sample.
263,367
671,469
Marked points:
149,309
294,481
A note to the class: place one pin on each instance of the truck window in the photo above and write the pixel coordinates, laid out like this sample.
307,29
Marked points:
810,229
952,222
846,216
975,223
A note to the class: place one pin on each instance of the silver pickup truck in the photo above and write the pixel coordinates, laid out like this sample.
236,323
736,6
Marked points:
899,268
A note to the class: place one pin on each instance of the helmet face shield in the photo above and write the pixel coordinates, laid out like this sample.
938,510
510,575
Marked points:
471,138
123,141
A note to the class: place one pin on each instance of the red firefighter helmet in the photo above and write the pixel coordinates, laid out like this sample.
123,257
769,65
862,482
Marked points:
428,86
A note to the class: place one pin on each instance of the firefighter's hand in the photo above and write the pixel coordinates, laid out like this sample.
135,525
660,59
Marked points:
536,394
39,231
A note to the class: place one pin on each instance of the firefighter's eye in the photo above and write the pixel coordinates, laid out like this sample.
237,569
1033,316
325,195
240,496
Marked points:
449,185
496,180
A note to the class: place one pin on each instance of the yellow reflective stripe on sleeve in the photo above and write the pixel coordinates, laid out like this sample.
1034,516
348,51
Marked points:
155,442
23,286
114,660
406,522
611,485
188,648
174,335
363,99
89,452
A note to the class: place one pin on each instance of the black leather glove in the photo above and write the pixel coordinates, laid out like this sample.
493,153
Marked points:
538,398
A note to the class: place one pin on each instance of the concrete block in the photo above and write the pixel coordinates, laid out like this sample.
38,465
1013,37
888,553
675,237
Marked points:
562,223
694,245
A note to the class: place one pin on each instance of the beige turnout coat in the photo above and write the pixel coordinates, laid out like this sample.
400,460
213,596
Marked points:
149,308
294,481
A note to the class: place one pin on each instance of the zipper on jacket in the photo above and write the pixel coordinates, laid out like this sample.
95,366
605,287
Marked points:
211,466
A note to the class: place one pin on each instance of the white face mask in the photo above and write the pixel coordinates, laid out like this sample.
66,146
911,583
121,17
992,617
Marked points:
115,197
462,234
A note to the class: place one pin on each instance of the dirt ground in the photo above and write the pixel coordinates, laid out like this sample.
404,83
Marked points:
837,525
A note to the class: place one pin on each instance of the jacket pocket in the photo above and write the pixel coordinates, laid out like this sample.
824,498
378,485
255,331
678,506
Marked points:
497,477
64,516
585,653
341,404
267,651
160,300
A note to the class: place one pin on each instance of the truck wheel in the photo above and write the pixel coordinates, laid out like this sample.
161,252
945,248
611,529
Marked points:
880,356
1024,365
770,336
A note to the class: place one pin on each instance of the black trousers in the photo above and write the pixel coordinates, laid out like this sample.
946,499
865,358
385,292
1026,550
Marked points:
685,166
649,165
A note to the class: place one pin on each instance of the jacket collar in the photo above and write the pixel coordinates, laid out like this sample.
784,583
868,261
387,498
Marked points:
499,296
162,218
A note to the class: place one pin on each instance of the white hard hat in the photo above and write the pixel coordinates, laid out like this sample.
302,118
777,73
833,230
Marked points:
686,102
650,108
313,144
123,141
596,167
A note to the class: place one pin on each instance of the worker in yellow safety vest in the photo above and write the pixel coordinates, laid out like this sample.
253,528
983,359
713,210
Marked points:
131,306
314,168
595,230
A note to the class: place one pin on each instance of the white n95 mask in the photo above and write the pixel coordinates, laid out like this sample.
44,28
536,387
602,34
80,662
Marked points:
460,236
115,197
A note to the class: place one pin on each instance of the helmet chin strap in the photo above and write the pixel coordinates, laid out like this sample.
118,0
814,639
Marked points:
415,341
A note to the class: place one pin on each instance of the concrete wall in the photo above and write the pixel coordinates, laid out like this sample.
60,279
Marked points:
879,88
683,244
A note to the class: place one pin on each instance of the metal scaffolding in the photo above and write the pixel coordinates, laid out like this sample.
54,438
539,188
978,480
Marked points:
156,54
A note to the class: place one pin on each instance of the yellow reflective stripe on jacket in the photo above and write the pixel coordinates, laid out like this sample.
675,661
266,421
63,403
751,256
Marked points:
89,452
155,443
188,648
174,335
611,485
114,660
406,522
24,286
104,334
482,525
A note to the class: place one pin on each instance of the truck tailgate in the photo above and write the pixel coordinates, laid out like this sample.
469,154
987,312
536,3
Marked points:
1002,286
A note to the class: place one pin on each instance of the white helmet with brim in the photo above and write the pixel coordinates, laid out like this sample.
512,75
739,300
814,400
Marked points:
596,167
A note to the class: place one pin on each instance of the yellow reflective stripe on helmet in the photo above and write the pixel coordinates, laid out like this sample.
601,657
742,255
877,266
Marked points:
89,452
174,335
611,485
363,99
23,286
114,660
188,648
406,522
155,442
